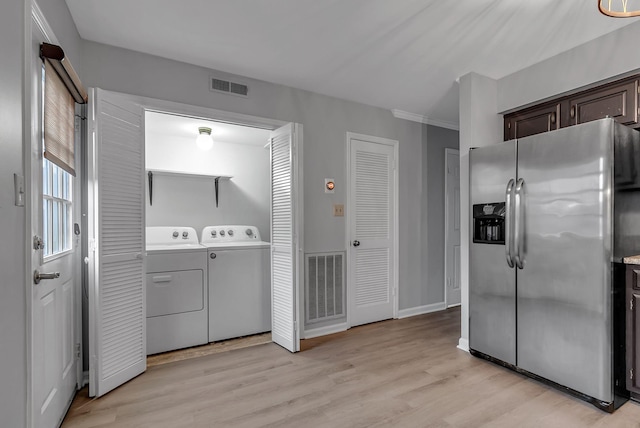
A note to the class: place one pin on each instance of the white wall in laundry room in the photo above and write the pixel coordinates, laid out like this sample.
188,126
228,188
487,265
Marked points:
190,200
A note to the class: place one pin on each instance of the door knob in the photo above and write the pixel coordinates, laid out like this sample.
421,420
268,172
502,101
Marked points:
356,243
37,276
212,256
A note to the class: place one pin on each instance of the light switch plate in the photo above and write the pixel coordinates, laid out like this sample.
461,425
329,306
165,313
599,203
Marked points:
18,187
338,210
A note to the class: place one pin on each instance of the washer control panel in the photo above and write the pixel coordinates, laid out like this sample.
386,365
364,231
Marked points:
169,235
233,233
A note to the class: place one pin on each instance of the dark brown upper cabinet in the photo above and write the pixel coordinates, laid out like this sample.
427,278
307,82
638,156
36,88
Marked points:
618,100
540,119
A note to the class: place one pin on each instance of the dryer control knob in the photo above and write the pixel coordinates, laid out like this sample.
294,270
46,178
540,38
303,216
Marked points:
213,233
212,255
222,233
249,232
175,234
185,234
230,232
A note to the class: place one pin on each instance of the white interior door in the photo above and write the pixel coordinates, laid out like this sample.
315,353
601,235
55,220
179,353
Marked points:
286,236
372,214
452,227
54,198
117,306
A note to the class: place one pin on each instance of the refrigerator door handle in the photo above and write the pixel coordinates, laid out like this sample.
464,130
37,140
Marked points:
507,222
518,240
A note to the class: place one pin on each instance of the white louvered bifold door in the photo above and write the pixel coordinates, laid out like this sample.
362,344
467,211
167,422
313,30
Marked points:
117,335
285,236
372,232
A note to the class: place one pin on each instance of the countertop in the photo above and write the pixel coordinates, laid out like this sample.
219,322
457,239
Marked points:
631,260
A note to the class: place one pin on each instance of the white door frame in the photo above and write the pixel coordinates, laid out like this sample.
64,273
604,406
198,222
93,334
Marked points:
349,212
447,153
206,113
35,19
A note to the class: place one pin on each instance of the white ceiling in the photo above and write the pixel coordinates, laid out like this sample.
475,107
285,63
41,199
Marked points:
187,127
395,54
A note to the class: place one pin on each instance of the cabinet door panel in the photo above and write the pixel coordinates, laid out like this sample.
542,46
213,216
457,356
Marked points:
543,119
617,101
632,327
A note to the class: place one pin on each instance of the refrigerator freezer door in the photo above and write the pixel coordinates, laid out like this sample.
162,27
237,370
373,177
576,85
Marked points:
564,288
492,306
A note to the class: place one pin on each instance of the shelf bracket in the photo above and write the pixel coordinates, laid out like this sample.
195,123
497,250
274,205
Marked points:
216,184
150,175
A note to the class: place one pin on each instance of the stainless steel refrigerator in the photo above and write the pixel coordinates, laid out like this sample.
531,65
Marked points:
552,217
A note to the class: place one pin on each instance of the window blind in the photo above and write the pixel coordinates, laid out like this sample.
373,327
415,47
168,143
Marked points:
59,112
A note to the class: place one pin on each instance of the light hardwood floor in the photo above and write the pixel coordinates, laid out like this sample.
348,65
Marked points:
399,373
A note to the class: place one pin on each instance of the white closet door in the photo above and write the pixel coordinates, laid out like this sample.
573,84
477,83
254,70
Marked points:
117,337
372,227
285,236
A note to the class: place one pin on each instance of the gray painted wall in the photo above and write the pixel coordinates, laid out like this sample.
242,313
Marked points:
480,125
190,201
600,59
326,121
433,157
13,370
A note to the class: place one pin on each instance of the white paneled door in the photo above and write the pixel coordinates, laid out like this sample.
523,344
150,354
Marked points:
372,220
117,310
286,238
53,207
452,228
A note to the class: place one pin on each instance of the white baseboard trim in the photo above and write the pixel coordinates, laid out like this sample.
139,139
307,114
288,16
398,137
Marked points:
463,344
323,331
419,310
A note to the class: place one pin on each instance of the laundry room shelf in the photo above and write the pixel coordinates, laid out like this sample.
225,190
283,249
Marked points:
216,179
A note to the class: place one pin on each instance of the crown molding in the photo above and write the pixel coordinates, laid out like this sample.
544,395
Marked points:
400,114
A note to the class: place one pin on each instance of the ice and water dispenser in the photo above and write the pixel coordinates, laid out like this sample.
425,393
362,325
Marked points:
488,223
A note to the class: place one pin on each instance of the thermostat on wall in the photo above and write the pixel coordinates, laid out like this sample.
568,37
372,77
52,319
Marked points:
329,185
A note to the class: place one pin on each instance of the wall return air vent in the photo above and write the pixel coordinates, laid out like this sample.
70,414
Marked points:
219,85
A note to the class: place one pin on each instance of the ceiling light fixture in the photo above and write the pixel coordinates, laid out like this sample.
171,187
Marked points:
619,8
204,140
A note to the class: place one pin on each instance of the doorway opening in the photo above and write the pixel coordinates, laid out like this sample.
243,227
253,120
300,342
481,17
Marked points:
215,285
173,279
452,228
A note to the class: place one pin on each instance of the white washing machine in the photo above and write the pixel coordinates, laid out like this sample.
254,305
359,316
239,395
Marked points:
177,304
239,281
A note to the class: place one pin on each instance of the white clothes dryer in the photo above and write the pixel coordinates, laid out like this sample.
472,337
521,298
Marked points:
239,281
176,285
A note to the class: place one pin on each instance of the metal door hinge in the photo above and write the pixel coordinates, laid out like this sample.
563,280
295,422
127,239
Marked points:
631,304
295,326
631,374
77,350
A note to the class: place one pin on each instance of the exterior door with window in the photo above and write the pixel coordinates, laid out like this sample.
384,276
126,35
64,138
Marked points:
53,205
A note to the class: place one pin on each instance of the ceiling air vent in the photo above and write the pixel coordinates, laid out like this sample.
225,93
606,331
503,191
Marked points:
228,87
